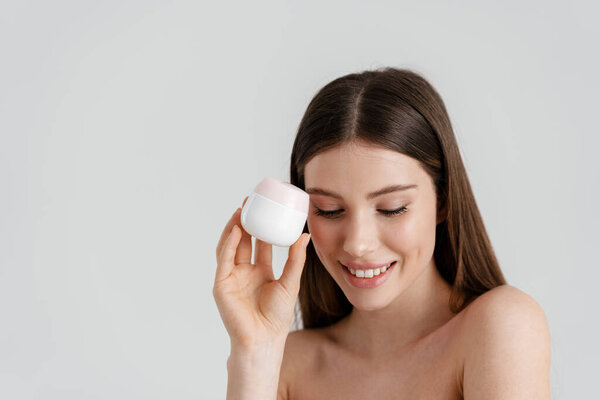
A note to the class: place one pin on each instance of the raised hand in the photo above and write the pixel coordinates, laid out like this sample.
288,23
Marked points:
255,308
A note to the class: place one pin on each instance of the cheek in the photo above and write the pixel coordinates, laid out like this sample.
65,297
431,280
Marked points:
412,233
322,237
320,231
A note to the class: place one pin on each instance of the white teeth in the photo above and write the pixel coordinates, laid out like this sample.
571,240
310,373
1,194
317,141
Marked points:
368,273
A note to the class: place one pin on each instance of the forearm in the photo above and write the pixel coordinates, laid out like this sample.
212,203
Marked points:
253,373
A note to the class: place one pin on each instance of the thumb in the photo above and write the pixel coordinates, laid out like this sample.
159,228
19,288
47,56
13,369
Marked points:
292,271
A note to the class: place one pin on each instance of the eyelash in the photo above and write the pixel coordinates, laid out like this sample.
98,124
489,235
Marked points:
388,213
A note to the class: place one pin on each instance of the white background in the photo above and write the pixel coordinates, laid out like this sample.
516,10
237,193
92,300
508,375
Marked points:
130,132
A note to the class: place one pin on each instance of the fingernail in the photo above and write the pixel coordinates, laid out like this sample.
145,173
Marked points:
306,240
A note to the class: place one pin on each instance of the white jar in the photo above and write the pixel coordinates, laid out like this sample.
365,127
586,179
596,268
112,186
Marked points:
275,212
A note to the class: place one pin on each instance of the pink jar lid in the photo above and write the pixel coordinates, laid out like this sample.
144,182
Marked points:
283,193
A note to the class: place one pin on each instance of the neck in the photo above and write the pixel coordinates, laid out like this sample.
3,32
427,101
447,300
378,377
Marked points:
419,310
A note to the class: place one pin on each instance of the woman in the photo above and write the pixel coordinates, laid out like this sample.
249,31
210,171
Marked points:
400,292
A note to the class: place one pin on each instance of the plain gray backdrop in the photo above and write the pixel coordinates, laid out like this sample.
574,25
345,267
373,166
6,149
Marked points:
131,130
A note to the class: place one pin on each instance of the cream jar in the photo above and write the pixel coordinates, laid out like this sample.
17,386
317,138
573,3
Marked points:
275,212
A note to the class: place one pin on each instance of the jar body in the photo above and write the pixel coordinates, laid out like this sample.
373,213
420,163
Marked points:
272,222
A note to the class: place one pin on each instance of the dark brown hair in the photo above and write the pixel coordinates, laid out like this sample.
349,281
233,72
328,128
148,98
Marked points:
399,110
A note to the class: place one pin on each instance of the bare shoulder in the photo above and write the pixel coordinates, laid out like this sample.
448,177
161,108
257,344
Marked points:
503,301
299,344
298,357
506,346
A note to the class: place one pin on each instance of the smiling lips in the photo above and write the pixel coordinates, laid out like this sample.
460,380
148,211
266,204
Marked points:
367,270
367,278
365,266
368,273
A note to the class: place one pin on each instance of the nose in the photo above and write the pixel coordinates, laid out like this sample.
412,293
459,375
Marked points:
361,235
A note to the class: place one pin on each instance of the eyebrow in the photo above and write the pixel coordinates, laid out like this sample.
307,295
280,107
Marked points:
385,190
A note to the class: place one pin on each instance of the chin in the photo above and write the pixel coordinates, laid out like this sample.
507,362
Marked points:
369,304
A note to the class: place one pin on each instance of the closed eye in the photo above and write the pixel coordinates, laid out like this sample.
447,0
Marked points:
334,213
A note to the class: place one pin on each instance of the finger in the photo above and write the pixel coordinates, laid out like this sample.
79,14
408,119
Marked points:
243,254
225,259
263,257
227,230
264,253
290,277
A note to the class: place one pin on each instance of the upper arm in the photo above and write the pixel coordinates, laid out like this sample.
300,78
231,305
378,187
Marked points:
507,354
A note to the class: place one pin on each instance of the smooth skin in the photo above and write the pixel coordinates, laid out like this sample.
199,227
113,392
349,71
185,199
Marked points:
401,341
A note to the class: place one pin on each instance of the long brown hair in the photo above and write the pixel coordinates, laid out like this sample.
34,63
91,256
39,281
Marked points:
399,110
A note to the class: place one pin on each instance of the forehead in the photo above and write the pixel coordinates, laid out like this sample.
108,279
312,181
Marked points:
364,165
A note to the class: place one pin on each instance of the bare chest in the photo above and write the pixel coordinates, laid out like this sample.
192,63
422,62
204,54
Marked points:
430,370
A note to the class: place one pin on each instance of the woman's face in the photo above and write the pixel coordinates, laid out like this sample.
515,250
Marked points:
358,232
